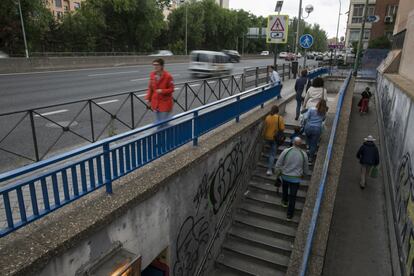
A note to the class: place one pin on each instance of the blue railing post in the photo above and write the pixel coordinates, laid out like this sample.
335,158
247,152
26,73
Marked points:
107,166
195,136
238,116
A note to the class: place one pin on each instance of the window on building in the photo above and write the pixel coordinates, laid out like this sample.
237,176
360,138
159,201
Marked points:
354,35
76,5
58,3
358,12
392,10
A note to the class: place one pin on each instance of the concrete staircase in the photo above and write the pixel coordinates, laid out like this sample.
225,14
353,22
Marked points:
260,240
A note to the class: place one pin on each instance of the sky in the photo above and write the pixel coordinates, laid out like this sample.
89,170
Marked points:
325,11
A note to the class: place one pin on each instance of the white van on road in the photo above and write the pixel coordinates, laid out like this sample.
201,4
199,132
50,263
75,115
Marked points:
210,63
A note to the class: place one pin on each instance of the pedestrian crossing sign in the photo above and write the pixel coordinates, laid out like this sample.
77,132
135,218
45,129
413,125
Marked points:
277,29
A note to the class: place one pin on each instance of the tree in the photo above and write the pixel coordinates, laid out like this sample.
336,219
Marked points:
380,43
37,20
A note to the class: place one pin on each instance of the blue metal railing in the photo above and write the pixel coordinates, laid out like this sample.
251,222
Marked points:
319,196
42,187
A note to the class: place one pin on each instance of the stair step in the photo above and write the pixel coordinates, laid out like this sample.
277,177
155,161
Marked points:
271,200
282,231
261,177
261,239
257,253
269,213
243,265
268,188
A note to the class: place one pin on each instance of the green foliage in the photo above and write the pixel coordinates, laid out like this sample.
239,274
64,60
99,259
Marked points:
137,26
380,43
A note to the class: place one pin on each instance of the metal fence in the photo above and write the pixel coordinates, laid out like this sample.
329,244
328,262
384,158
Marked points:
32,135
35,190
319,196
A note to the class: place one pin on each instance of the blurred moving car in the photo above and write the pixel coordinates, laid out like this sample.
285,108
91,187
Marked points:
283,54
264,53
299,55
233,54
162,53
290,57
310,55
3,55
319,56
209,63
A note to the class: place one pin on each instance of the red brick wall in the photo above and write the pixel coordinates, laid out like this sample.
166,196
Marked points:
380,28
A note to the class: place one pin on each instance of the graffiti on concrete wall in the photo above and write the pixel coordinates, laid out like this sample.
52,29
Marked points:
212,193
405,208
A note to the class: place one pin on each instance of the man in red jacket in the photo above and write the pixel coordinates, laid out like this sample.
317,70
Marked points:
160,90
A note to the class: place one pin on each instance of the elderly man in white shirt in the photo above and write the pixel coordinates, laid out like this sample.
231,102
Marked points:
275,79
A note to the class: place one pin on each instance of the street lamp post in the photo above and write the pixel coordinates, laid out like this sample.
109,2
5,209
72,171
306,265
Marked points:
23,30
361,35
337,28
297,28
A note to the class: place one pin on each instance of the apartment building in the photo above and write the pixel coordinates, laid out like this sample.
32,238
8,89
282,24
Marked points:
386,10
59,7
177,3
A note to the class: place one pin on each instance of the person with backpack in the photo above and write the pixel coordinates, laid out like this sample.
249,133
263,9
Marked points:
292,166
315,93
368,156
300,86
274,126
314,120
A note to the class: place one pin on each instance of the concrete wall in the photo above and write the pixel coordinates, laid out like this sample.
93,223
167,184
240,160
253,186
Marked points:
18,65
396,96
407,64
404,8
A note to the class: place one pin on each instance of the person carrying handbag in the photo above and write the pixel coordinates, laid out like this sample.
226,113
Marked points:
292,166
274,126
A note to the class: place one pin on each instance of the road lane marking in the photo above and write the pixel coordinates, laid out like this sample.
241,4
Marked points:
53,112
140,79
108,102
112,73
141,95
194,85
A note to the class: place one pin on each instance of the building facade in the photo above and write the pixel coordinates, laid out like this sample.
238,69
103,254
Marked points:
60,7
386,10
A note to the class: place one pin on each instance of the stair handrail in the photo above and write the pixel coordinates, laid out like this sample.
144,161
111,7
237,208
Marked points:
319,196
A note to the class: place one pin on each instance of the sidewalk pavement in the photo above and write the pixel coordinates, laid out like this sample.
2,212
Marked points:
359,241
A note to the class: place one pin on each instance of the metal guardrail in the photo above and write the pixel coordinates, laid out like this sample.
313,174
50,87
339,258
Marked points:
38,189
319,196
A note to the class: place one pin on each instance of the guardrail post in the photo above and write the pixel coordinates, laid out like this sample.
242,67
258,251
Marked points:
91,118
186,96
256,82
204,97
238,116
289,70
267,75
195,136
132,111
283,70
244,80
219,85
32,125
107,167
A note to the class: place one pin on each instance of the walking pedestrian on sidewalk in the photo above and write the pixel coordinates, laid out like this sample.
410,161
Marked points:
275,79
273,124
160,90
300,85
368,156
314,119
292,165
364,101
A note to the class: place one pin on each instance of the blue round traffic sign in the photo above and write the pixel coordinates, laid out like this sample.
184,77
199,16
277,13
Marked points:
306,41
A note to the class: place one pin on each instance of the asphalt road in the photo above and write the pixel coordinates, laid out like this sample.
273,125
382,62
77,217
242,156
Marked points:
32,90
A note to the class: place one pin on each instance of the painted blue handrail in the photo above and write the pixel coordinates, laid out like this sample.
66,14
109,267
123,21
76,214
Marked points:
50,184
319,196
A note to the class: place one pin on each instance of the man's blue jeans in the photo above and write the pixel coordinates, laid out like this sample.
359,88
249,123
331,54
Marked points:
161,116
298,105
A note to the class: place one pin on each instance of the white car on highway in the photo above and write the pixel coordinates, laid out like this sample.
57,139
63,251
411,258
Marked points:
264,53
162,53
209,63
283,54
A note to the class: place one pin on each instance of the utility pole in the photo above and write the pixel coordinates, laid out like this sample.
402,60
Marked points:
337,29
186,29
298,28
24,32
361,36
